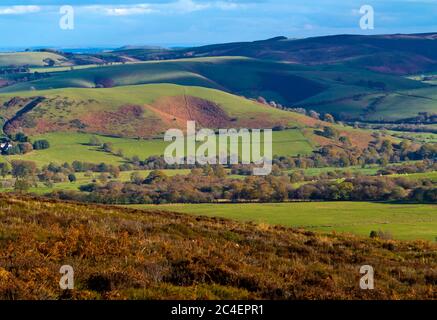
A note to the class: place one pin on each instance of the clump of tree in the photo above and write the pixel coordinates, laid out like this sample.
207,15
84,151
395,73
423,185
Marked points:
211,184
23,168
94,141
41,144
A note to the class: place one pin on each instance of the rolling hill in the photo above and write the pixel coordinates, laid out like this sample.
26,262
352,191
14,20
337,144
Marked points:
147,111
19,59
395,54
329,89
121,253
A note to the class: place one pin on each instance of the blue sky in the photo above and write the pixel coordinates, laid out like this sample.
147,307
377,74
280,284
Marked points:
192,22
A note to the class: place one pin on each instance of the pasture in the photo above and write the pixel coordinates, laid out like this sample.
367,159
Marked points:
68,147
402,221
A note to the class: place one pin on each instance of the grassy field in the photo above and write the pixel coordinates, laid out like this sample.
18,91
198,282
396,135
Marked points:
368,170
418,176
68,147
382,107
419,137
28,58
402,221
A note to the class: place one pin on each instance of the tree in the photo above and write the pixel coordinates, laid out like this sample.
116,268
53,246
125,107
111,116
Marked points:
108,147
5,168
22,168
314,114
72,177
104,83
25,147
94,141
155,176
41,145
21,137
21,185
136,178
345,141
328,118
330,132
262,100
114,171
103,178
50,62
119,153
219,171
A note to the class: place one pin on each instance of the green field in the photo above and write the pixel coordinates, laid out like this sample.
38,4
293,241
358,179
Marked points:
419,137
368,170
68,147
419,176
28,58
385,107
402,221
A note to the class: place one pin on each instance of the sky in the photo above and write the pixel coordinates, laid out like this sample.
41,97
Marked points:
112,23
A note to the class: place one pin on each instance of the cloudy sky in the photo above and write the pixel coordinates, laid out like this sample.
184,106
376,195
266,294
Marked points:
100,23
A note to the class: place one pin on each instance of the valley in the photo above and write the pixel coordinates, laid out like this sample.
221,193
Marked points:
84,180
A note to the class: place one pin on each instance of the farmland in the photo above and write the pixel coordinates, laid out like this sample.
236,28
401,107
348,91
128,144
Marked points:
68,147
402,221
339,89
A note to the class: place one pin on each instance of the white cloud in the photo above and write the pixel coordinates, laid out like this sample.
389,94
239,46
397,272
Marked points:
175,7
184,6
128,10
19,10
225,5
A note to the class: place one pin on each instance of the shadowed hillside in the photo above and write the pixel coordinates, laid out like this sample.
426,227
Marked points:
397,54
319,87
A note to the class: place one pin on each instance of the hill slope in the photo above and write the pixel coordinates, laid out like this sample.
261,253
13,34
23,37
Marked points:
148,111
119,253
396,54
288,84
18,59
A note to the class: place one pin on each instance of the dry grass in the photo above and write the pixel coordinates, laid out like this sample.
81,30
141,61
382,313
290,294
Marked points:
127,254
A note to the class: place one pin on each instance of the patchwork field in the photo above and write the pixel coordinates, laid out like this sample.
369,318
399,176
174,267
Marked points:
338,90
402,221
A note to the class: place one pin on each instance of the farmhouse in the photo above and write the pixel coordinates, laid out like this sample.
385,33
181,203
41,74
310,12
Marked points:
4,146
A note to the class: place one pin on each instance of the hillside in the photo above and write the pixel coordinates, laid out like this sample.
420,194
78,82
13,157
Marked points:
395,54
121,253
149,110
344,91
18,59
